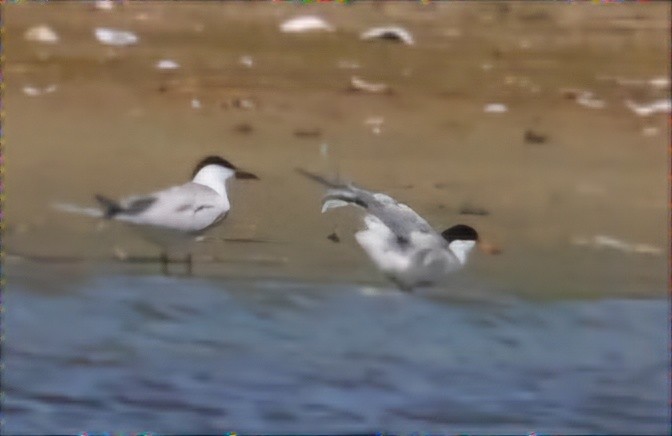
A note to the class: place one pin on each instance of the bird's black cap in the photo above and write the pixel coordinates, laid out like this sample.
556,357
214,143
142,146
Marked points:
460,232
212,160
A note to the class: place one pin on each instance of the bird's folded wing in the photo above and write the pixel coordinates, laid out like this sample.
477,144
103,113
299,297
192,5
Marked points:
137,205
173,207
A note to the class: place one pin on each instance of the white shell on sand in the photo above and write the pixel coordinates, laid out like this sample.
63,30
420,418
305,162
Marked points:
362,85
115,37
167,64
645,110
583,97
393,33
308,23
495,108
661,82
41,33
609,242
247,61
345,64
104,5
587,99
34,91
376,124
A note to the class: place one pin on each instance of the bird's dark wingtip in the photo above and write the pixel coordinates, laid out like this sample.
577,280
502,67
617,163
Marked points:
110,207
318,178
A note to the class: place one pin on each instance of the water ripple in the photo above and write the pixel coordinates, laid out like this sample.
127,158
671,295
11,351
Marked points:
129,353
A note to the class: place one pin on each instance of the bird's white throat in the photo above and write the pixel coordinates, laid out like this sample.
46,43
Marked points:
461,249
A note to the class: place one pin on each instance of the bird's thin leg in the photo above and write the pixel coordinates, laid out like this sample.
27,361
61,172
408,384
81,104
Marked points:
405,288
164,263
401,285
190,264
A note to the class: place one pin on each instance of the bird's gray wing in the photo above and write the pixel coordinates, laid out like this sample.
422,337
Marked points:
137,205
184,199
187,207
130,206
403,221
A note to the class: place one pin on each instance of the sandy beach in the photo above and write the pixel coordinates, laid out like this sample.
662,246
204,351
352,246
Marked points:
113,123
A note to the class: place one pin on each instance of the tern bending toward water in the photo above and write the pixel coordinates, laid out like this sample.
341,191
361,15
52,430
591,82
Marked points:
172,217
398,240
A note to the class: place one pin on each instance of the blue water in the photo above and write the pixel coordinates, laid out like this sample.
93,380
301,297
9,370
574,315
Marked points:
131,353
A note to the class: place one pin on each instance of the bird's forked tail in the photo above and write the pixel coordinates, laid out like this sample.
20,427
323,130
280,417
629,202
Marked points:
339,194
110,207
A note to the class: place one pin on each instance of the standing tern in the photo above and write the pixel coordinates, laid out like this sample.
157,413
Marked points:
398,240
172,217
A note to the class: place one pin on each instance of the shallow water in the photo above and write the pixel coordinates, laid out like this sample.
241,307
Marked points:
129,352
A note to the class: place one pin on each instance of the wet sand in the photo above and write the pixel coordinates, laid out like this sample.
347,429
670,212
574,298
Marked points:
116,125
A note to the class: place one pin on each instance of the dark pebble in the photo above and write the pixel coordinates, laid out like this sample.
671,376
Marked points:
307,133
243,128
531,137
473,210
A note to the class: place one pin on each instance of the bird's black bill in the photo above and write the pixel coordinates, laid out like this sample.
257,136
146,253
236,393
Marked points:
245,175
